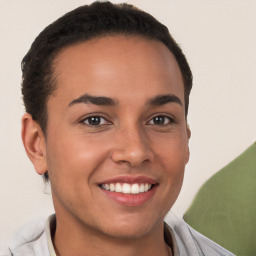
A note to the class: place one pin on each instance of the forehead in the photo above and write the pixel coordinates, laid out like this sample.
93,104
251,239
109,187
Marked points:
109,64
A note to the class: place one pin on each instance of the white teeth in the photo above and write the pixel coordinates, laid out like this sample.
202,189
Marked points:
127,188
135,189
118,187
112,187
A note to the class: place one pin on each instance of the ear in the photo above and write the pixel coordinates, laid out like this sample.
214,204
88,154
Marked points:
34,142
188,135
188,131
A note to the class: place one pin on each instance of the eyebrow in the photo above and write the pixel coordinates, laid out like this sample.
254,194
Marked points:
106,101
164,99
96,100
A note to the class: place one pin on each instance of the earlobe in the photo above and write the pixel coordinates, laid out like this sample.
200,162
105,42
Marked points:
34,142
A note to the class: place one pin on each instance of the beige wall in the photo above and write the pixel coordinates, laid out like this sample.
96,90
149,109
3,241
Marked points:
219,40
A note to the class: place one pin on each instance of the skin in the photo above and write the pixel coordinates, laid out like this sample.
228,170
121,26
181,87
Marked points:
127,142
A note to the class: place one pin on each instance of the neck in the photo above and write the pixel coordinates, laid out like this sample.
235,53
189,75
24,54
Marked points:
76,239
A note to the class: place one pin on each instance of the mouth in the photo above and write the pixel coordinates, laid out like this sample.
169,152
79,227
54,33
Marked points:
126,188
129,191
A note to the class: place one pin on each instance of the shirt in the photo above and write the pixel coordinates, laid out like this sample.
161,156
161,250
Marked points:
34,239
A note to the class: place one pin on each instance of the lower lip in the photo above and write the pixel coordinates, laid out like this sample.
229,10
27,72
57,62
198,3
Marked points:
131,199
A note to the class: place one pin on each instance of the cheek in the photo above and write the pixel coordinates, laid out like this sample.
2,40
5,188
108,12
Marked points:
173,165
74,157
172,155
72,163
173,151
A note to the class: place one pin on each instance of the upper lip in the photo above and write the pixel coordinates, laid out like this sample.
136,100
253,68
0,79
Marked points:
129,180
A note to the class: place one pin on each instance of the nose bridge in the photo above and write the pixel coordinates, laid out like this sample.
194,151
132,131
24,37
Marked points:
131,145
135,138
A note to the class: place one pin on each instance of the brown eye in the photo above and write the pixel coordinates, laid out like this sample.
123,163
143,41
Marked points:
160,120
95,121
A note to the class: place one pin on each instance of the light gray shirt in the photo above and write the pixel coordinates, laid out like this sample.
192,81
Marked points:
35,240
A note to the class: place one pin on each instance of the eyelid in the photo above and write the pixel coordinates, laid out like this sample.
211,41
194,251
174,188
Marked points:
171,119
99,115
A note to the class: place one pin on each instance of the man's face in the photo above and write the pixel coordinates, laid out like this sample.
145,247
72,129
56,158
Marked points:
116,122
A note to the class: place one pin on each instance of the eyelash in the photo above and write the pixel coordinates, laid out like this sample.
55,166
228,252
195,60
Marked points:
94,117
167,120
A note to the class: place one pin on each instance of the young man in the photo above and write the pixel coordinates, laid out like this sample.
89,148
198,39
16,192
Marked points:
106,91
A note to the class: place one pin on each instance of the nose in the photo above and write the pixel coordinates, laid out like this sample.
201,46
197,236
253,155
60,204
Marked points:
132,147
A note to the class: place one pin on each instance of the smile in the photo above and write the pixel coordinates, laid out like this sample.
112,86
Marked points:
129,191
126,188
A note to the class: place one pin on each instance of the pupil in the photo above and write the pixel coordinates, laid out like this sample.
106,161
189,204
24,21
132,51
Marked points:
159,120
94,120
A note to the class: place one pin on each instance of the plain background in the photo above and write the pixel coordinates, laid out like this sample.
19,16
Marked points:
218,38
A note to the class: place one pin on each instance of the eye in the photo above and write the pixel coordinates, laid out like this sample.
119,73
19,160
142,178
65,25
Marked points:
95,121
161,120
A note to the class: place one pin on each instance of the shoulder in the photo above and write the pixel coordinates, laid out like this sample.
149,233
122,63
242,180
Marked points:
191,242
207,245
30,240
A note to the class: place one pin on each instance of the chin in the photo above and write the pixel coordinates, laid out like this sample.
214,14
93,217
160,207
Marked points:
133,228
129,232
